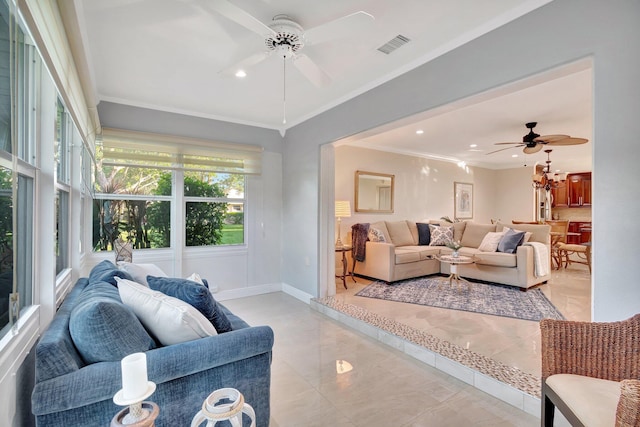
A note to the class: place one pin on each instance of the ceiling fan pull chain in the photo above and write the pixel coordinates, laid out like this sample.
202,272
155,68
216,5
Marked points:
284,90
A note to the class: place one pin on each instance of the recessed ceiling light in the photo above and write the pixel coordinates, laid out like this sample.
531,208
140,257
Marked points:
241,73
473,145
419,132
514,155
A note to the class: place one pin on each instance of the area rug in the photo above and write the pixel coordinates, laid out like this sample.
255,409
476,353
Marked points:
486,298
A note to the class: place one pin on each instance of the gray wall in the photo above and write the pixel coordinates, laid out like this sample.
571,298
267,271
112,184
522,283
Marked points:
558,33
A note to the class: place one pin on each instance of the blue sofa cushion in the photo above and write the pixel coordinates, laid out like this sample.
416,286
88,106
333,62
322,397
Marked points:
103,329
106,271
510,241
194,294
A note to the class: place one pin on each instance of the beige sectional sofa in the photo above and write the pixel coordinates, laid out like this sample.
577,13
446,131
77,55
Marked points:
401,257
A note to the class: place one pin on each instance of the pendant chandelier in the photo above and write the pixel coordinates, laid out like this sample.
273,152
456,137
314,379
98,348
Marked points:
545,179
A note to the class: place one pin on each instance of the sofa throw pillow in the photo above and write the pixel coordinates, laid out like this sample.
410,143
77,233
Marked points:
424,236
139,272
169,319
195,277
440,235
376,235
510,241
106,271
103,329
490,241
527,234
196,295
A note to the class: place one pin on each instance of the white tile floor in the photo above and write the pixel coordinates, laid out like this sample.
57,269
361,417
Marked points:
512,342
387,387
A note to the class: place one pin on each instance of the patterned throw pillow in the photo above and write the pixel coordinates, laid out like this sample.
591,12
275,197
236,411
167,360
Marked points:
440,235
376,235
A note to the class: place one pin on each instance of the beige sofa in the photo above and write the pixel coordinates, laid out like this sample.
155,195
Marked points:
400,257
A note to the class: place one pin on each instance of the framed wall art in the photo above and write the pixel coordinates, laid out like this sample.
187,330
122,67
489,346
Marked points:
463,205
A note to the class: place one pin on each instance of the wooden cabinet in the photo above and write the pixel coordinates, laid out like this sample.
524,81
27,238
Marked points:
579,189
560,195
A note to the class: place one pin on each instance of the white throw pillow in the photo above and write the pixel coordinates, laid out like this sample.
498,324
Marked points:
490,242
195,277
169,319
139,272
376,235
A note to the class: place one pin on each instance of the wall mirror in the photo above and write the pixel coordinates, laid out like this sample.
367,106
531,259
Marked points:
373,192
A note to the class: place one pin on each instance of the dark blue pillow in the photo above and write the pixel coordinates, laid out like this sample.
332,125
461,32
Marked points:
424,235
106,271
510,241
194,294
103,329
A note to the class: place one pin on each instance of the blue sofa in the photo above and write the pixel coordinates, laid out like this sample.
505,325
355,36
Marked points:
70,392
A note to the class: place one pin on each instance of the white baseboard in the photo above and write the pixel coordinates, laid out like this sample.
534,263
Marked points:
263,289
297,293
247,292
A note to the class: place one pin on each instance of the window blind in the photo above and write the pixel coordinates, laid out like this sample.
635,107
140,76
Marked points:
149,150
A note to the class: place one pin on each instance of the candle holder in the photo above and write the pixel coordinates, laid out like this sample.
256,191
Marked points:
142,414
138,413
135,389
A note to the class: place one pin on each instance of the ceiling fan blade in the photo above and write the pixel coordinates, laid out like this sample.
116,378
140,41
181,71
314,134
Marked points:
311,70
504,143
502,149
245,63
346,26
569,141
550,138
240,16
531,150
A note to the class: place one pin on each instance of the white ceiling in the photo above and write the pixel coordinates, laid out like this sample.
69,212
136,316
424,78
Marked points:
167,54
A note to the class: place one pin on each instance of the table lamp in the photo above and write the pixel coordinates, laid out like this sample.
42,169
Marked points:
343,210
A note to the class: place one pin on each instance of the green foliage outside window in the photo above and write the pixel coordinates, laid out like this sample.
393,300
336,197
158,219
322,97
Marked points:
146,223
127,219
6,222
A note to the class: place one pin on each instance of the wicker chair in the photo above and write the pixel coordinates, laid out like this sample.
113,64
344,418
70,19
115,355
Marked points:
602,361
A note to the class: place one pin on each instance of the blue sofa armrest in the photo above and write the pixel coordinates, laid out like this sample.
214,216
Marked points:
100,381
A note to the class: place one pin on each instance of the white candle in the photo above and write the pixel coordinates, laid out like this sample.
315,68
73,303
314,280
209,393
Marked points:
134,376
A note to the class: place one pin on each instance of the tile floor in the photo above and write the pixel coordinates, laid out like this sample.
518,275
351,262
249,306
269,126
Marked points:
512,342
386,387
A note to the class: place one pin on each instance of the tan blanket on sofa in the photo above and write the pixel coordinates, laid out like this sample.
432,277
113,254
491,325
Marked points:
540,258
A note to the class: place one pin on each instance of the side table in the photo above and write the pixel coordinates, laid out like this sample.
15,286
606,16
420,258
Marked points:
343,250
454,262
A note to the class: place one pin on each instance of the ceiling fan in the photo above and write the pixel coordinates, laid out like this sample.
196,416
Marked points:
532,142
286,38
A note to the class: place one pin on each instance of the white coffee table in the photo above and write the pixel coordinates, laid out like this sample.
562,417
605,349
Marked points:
454,262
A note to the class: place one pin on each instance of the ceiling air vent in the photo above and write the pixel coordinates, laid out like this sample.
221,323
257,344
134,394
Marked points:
394,44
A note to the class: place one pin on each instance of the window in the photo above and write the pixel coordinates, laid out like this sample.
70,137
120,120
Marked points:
214,212
17,155
136,186
132,204
64,128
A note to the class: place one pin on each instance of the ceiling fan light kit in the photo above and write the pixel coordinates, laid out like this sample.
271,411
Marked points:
286,38
533,142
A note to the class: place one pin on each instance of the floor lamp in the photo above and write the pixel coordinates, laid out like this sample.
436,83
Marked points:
343,210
